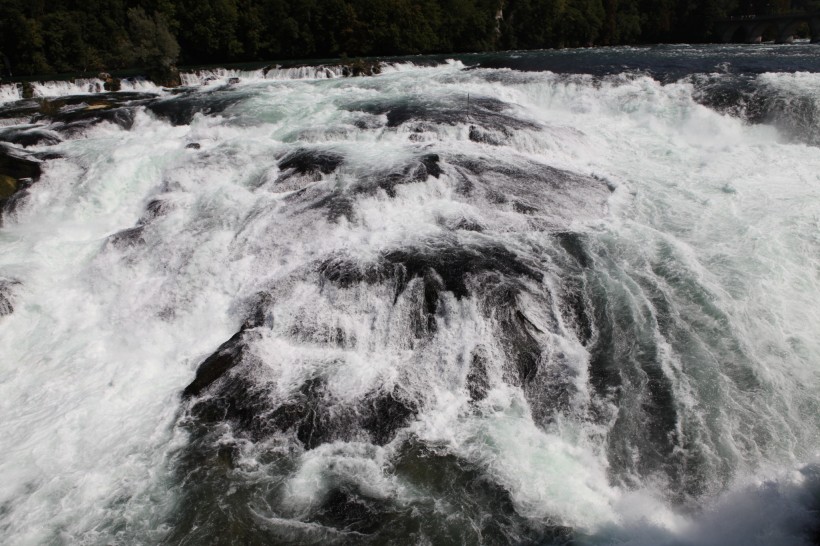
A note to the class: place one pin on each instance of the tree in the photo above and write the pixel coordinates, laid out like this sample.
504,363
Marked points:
154,45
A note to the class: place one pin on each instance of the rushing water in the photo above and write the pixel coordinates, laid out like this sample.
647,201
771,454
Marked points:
550,297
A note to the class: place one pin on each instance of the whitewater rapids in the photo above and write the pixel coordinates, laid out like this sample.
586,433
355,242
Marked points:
448,304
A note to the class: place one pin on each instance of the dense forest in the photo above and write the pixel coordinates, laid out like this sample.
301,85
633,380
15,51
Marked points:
59,36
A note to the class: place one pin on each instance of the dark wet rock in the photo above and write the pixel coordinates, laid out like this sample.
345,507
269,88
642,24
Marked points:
29,136
227,356
8,186
484,136
523,208
27,90
483,510
345,273
7,296
111,83
338,204
430,162
317,419
233,81
384,414
433,287
6,308
17,164
575,304
230,388
478,381
154,209
46,109
604,370
496,197
360,67
351,511
236,398
573,244
311,414
47,155
181,109
626,369
417,170
127,237
309,162
455,263
72,114
576,313
18,171
465,186
485,112
307,415
22,110
193,146
463,224
452,262
518,335
366,122
11,204
555,197
74,121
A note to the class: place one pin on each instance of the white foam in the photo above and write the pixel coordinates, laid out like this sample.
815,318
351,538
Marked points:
104,338
9,93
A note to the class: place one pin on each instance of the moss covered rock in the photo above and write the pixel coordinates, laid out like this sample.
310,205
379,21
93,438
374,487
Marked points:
8,186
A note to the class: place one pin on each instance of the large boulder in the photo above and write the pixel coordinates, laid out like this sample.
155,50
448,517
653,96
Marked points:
17,165
8,186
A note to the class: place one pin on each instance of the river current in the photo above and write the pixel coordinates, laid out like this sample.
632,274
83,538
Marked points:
559,297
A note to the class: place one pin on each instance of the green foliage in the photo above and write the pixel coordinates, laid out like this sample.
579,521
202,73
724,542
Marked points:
41,36
153,44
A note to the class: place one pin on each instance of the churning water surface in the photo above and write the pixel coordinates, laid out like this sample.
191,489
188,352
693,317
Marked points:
531,298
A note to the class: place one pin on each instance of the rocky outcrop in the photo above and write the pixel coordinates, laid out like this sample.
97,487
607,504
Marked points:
17,172
110,83
18,165
360,67
8,186
27,90
165,76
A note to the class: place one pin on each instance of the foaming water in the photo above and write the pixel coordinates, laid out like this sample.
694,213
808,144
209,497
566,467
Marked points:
10,93
221,76
439,305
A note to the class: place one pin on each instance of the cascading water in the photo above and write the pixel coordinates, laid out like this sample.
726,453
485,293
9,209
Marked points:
443,305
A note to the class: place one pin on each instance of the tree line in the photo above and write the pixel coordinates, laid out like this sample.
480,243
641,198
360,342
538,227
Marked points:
81,36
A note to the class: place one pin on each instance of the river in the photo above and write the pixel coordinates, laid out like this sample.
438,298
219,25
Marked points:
518,298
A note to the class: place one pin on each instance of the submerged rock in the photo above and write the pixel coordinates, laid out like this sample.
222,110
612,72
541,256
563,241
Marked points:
310,163
486,113
181,109
416,170
29,136
360,67
6,297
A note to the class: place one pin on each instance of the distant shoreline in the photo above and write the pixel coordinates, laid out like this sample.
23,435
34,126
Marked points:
361,63
432,58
